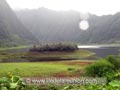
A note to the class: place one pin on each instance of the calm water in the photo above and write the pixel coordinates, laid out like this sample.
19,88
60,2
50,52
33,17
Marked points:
102,51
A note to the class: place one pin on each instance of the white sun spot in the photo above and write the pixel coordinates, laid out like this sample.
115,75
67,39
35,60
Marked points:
84,25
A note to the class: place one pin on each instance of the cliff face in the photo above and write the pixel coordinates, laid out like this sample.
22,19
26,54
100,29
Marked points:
55,26
12,31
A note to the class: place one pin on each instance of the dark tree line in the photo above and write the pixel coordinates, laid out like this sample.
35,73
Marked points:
54,47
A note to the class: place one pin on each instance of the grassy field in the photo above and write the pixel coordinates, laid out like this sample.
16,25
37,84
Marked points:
44,69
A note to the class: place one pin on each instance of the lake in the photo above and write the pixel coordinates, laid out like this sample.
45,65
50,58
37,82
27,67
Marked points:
101,50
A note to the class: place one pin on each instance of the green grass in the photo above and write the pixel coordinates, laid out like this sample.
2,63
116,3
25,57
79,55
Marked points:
40,69
36,69
13,48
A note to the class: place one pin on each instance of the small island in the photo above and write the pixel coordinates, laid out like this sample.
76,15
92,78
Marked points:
56,52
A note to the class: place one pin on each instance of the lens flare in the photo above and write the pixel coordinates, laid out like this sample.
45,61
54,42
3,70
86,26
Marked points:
84,25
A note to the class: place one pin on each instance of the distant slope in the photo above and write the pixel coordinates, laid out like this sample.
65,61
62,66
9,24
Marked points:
55,26
12,31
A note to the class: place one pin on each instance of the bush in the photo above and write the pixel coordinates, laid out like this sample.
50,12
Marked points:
100,69
54,47
117,75
114,61
71,69
13,83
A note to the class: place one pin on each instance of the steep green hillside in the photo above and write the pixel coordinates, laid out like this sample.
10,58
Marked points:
55,26
12,31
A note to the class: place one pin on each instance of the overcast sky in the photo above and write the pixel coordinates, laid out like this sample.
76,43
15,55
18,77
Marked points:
99,7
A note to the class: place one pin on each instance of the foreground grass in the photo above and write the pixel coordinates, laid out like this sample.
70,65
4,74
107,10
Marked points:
41,69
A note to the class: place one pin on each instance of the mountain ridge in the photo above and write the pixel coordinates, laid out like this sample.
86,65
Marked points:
56,26
12,31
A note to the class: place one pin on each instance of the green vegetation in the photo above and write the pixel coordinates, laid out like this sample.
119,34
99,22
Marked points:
11,83
103,68
83,87
65,27
13,48
99,69
108,67
114,61
12,31
59,47
16,83
7,56
9,53
39,69
11,56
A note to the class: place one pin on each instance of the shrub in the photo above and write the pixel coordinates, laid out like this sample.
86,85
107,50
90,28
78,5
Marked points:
117,75
115,83
13,83
71,69
114,61
100,69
